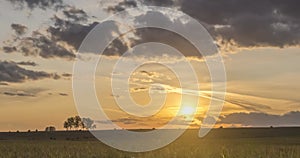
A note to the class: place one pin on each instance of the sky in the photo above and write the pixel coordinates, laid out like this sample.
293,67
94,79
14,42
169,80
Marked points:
258,41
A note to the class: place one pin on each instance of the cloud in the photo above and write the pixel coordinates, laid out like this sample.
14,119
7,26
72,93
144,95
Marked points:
241,23
27,63
11,72
8,49
159,35
146,75
70,32
27,92
58,40
247,102
138,89
41,45
19,93
164,3
149,122
262,119
19,29
75,14
143,80
125,4
126,120
248,105
249,24
121,6
4,84
63,94
42,4
150,74
139,36
183,120
66,75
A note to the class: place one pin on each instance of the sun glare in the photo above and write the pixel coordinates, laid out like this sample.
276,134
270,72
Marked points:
187,110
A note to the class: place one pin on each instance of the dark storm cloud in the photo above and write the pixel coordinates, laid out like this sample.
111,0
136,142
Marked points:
125,4
42,4
63,37
164,3
61,40
250,23
71,32
262,119
66,32
19,29
165,37
11,72
115,48
242,23
158,35
74,32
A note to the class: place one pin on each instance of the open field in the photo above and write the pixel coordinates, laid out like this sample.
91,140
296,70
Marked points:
220,143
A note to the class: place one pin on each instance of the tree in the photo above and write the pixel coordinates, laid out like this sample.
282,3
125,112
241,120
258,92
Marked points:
71,122
88,123
50,129
66,125
77,122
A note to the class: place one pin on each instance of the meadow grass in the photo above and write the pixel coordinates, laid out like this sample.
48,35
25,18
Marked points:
216,145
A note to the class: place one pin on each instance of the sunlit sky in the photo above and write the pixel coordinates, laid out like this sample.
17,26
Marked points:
262,72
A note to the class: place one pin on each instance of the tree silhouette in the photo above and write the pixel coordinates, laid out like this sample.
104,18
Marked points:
66,125
88,123
77,122
69,123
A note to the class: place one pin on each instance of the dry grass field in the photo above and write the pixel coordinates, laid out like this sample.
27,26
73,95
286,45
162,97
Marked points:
220,143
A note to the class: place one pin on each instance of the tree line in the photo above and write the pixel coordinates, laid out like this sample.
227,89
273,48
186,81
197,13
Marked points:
77,123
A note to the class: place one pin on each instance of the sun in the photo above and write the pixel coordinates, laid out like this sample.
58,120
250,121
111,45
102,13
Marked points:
187,110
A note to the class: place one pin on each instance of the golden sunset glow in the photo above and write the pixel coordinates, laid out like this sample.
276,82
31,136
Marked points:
36,69
187,110
150,78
